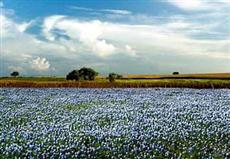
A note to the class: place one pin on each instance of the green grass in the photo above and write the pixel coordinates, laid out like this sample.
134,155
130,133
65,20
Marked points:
77,107
35,79
1,98
104,121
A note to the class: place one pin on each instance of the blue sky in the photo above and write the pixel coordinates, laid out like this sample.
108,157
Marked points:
53,37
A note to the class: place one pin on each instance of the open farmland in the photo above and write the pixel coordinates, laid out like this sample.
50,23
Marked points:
182,76
215,80
121,83
114,123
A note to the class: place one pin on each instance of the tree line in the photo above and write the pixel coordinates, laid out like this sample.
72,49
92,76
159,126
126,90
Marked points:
86,74
89,74
83,74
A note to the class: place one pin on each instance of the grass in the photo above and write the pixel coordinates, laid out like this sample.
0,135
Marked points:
103,121
182,76
34,79
77,107
131,81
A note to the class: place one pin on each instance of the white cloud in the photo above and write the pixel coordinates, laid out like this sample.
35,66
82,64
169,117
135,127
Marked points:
191,28
16,68
116,11
90,40
24,26
26,56
88,33
111,11
130,50
48,24
200,4
81,8
189,4
95,34
9,28
178,25
40,64
103,48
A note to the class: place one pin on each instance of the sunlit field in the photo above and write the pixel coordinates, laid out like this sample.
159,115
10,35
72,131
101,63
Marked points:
114,123
121,83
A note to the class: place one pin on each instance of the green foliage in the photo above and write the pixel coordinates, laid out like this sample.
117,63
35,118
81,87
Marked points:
175,73
74,75
113,76
88,73
103,121
77,107
14,74
84,73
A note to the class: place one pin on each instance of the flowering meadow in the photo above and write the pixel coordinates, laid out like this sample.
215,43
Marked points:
114,123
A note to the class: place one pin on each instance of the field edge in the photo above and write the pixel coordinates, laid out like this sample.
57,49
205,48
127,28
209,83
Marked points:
163,83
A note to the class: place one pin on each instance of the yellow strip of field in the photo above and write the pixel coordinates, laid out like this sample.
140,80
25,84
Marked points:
198,76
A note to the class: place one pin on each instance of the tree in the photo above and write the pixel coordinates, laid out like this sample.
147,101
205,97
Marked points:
119,76
88,73
112,77
84,73
175,73
74,75
15,74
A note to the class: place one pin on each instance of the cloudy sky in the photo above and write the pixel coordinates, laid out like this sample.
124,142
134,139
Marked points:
53,37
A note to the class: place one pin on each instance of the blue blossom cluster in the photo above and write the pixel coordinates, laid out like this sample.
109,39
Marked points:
114,123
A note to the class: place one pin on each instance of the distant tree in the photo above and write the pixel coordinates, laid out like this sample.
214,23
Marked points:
119,76
74,75
88,73
15,74
112,77
175,73
84,74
